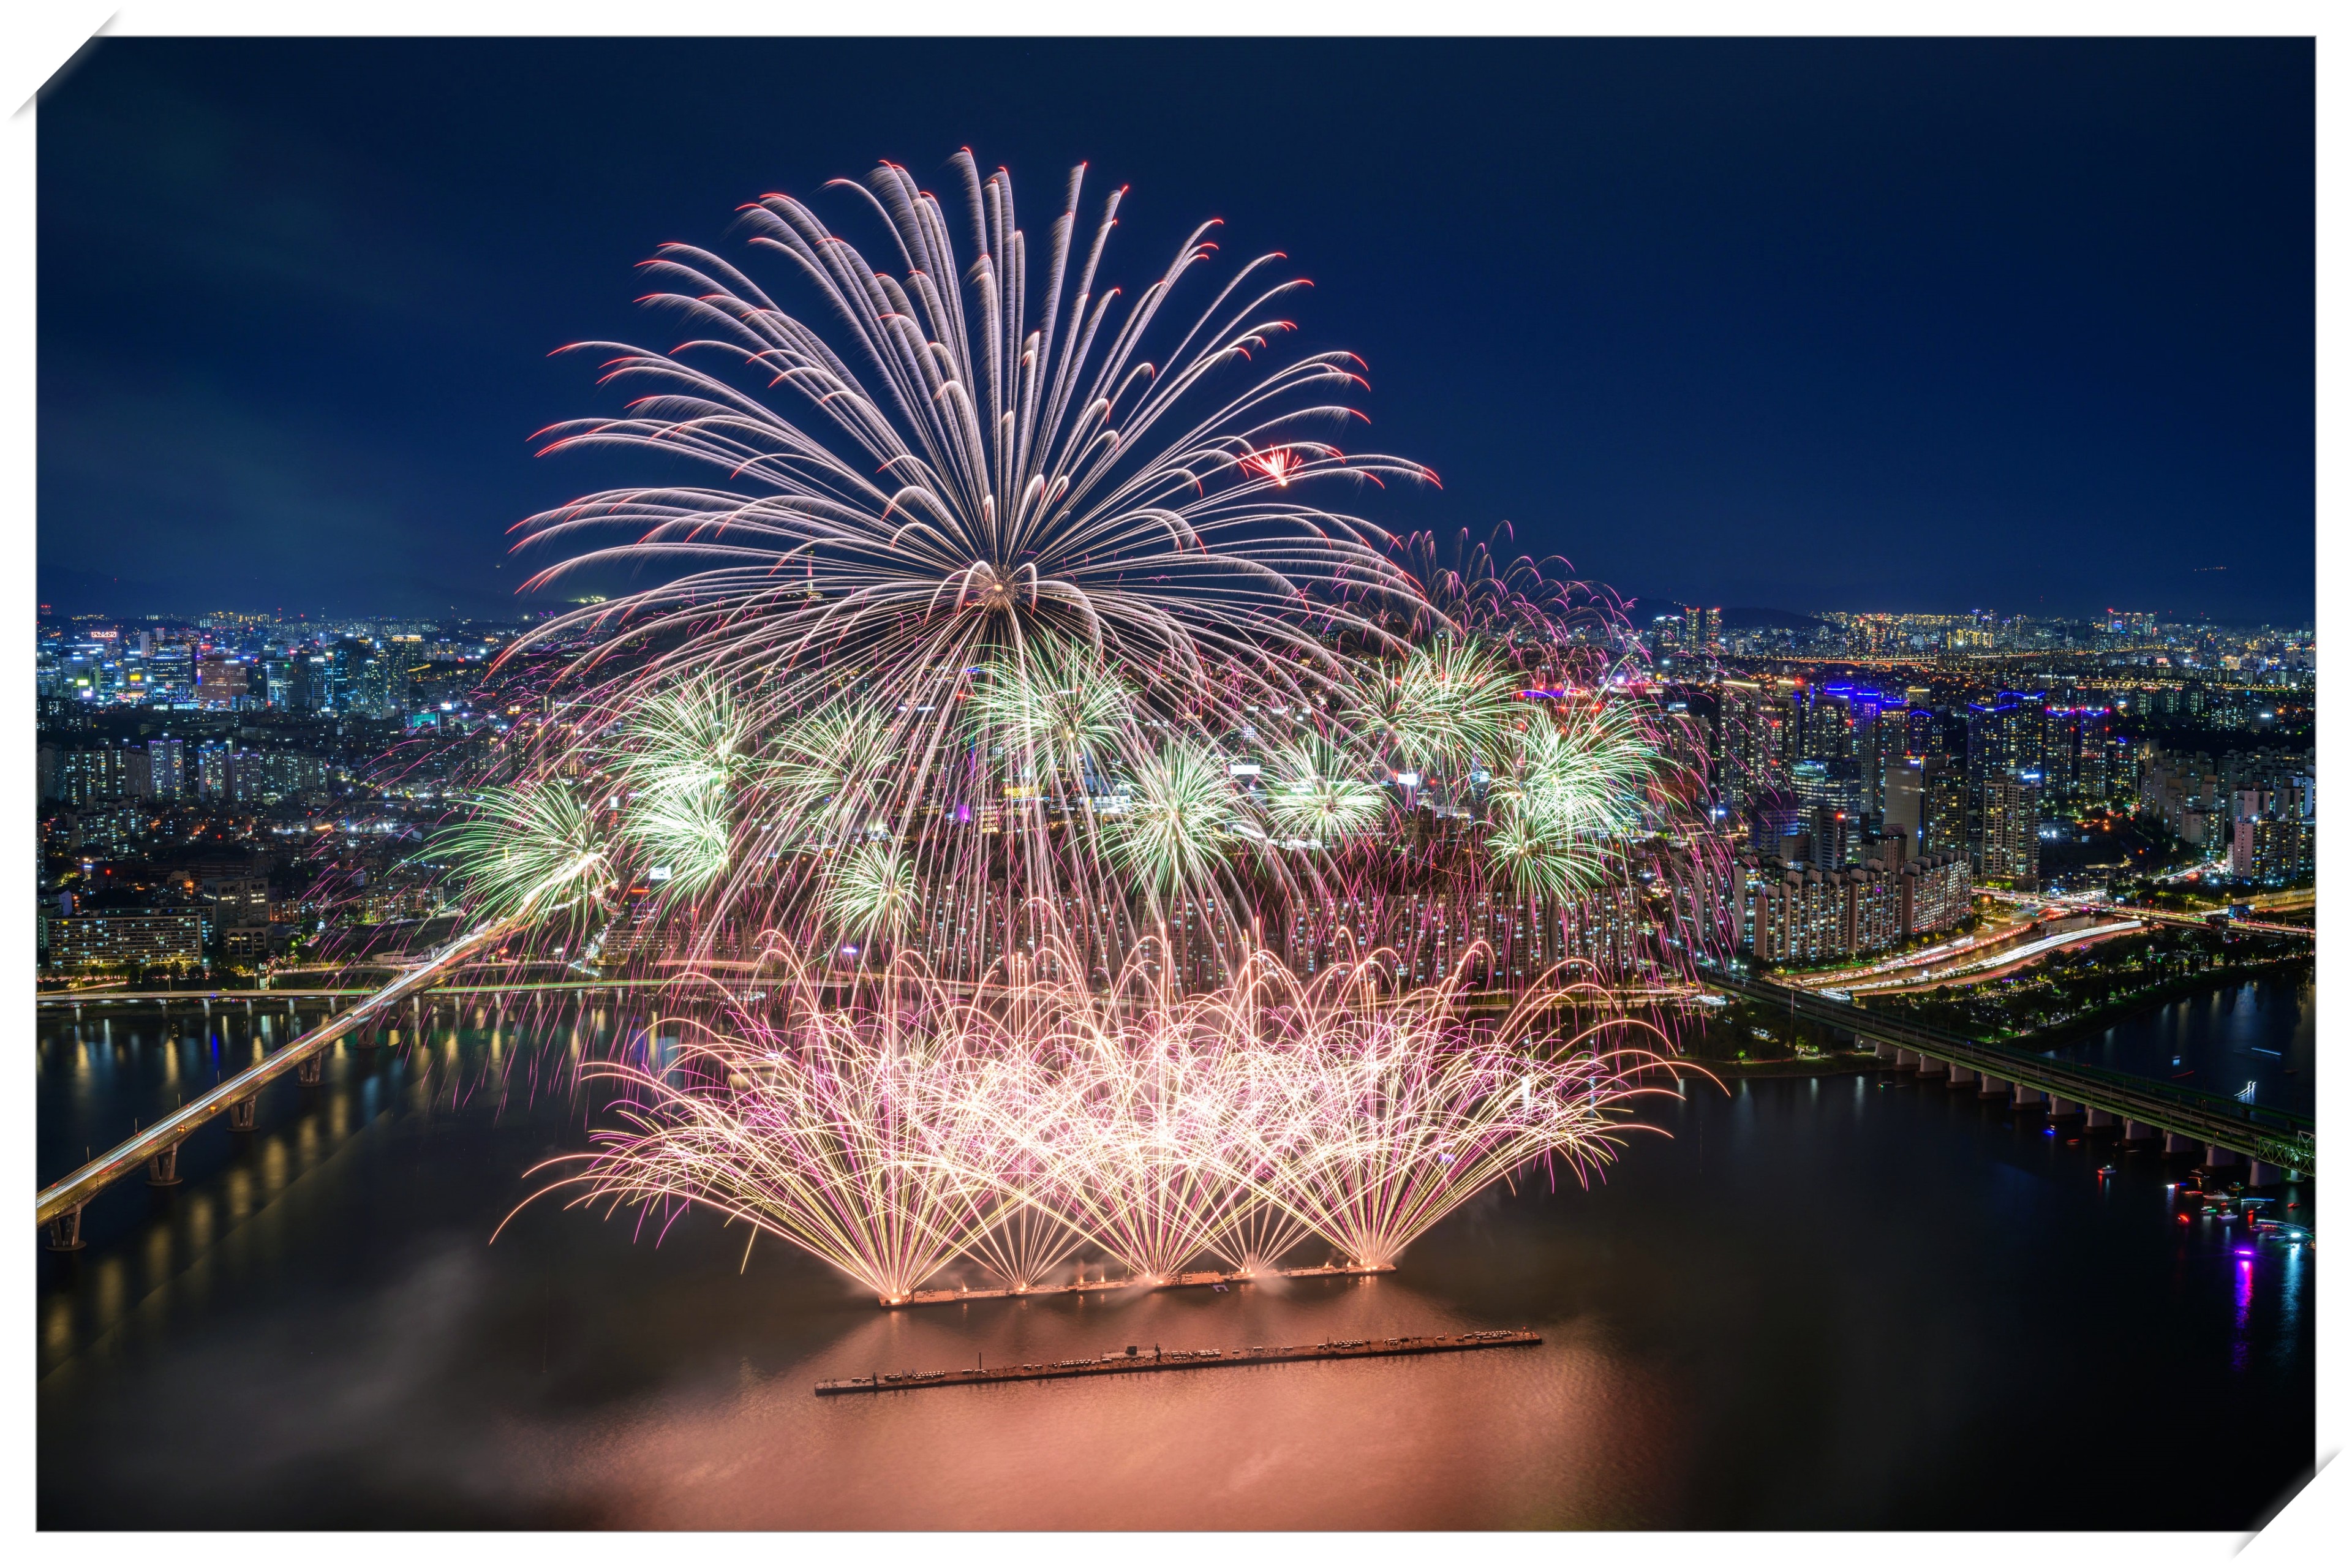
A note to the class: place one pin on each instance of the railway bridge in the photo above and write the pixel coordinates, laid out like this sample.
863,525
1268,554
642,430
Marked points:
2278,1143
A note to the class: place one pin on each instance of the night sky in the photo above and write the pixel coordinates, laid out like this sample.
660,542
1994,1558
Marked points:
1908,325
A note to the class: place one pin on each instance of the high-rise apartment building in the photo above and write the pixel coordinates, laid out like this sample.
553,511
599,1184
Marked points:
167,768
83,775
2008,812
2080,760
1781,737
2272,849
1877,741
2006,738
1738,742
1829,725
1922,732
1702,631
352,676
1944,809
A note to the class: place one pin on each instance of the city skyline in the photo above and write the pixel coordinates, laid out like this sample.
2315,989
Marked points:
1932,366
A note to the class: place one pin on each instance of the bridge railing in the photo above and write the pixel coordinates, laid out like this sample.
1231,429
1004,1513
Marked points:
2208,1113
1862,1021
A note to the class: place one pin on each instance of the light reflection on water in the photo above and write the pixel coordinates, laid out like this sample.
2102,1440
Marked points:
1811,1306
2263,1032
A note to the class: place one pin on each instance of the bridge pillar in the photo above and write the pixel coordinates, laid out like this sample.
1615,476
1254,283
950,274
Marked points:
163,1167
1904,1058
2261,1173
311,1069
1930,1068
2138,1131
1994,1087
65,1231
2218,1157
2174,1143
242,1113
2021,1098
2064,1110
2095,1117
1961,1076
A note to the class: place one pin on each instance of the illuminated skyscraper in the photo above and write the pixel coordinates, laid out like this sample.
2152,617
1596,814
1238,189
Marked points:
2009,849
167,768
1830,791
1907,803
1944,804
220,682
2080,754
1829,724
2005,738
1738,743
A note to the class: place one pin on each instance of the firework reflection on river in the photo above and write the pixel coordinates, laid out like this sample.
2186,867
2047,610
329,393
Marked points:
1806,1307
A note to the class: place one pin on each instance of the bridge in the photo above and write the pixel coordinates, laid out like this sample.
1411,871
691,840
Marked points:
60,1205
2280,1143
228,996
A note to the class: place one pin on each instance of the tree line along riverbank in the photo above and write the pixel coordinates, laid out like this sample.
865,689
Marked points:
1753,1039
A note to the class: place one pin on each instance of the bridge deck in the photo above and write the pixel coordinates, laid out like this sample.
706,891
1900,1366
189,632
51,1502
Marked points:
67,1196
2264,1132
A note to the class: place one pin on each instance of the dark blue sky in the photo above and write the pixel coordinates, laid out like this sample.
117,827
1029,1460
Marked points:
1903,325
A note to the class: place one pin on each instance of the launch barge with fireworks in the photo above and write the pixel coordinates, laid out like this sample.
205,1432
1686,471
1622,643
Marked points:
1204,1276
1137,1359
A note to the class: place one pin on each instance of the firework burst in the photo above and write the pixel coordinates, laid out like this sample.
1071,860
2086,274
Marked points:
1002,589
985,502
527,849
910,1126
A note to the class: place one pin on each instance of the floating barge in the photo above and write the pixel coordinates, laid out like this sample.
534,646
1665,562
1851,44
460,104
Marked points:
1138,1359
1208,1277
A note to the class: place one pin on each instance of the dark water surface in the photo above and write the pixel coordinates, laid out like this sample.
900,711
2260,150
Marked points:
2262,1035
1820,1303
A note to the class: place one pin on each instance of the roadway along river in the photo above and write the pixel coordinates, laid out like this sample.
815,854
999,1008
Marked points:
1820,1303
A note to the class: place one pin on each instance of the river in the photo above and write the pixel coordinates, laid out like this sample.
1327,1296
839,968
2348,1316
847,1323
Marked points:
1844,1301
2262,1035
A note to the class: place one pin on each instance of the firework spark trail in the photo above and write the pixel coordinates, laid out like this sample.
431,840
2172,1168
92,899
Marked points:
1011,591
527,845
816,1133
977,470
896,1131
712,812
998,693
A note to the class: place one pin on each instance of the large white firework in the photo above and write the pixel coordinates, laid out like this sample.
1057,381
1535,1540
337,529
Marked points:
970,489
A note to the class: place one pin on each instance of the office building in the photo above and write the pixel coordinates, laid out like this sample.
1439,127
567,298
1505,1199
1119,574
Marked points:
1829,794
1904,814
220,683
